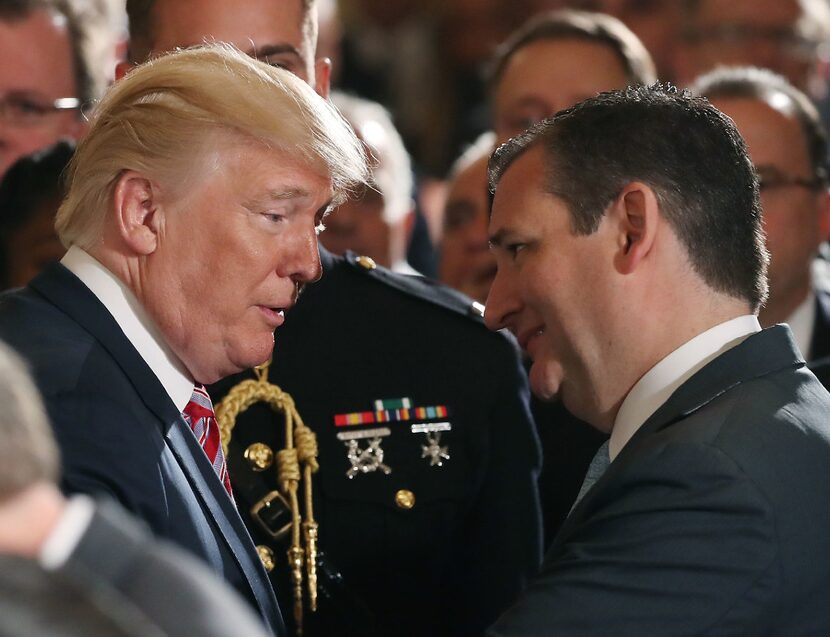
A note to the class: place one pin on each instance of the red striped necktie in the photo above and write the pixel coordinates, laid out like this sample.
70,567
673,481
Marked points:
202,421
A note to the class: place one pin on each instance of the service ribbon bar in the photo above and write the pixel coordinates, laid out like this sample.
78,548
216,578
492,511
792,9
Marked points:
399,410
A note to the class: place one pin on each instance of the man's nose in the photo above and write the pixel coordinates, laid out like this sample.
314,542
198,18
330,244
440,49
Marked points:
502,302
304,260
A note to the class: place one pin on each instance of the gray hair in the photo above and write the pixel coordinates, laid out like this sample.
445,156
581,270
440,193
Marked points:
28,454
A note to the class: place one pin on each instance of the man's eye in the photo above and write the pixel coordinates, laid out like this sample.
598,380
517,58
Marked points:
514,248
319,228
28,107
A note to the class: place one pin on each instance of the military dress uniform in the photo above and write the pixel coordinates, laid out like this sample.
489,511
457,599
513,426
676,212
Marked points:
426,494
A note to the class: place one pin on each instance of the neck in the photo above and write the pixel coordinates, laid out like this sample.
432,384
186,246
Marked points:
27,519
644,340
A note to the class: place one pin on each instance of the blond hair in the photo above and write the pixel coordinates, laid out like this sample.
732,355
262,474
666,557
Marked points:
169,115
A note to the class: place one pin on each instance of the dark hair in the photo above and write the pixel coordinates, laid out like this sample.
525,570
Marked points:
687,151
763,85
582,25
30,182
141,24
85,84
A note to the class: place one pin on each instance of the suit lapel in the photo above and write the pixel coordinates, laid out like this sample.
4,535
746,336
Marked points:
768,351
70,295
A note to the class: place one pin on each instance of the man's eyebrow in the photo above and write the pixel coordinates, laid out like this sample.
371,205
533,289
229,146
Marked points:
499,238
268,50
278,194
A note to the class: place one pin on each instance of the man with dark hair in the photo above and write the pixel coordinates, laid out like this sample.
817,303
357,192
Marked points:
428,514
788,145
46,78
533,75
631,266
785,36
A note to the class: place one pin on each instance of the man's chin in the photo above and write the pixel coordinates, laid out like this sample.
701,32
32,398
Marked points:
256,352
545,379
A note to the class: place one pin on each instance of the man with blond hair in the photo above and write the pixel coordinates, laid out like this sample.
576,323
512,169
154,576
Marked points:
191,221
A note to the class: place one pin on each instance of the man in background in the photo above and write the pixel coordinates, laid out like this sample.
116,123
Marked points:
378,222
46,79
788,146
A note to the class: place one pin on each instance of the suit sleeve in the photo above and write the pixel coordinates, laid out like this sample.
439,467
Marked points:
501,546
679,542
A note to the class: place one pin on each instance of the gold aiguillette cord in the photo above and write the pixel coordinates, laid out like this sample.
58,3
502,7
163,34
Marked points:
297,460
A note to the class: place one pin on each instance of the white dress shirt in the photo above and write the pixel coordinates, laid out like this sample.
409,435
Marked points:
69,530
133,320
660,382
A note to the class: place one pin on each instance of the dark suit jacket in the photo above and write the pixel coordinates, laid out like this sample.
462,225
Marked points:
174,591
711,521
120,434
457,558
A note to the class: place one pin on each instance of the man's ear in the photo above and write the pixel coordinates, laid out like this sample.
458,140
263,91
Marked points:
322,77
137,214
637,216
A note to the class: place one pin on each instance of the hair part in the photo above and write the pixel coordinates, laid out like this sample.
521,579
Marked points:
571,24
170,116
28,454
684,149
768,87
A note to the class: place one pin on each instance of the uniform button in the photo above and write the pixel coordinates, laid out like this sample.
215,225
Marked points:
267,557
405,499
367,263
259,456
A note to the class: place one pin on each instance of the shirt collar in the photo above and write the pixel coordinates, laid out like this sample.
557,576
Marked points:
133,320
660,382
802,322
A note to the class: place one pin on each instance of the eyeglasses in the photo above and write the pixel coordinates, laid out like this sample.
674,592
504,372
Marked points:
775,180
789,41
26,111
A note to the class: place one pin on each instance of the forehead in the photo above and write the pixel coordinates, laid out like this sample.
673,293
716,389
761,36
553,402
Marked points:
35,55
546,67
247,24
260,176
520,203
749,12
772,132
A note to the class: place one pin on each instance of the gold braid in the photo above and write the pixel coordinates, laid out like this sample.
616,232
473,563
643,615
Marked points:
300,450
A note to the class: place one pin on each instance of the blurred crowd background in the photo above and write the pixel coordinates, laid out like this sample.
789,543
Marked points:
428,61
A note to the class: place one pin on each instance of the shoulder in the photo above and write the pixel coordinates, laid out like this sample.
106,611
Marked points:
434,295
204,604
